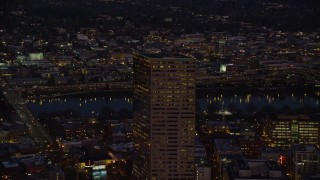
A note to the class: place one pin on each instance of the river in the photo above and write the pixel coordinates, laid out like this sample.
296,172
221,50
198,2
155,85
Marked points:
93,105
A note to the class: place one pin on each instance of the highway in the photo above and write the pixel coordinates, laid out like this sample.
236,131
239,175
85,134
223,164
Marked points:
37,130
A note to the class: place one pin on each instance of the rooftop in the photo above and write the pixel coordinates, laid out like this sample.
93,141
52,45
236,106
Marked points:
226,146
304,147
254,169
9,164
242,164
273,166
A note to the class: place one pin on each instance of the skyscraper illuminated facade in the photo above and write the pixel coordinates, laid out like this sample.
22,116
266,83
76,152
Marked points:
164,117
283,130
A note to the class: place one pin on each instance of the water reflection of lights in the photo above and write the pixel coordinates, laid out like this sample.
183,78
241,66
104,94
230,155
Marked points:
224,112
248,98
222,100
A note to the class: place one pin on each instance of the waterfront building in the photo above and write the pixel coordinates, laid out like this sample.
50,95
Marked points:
164,117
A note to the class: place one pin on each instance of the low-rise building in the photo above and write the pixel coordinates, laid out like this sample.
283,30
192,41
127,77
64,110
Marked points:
10,133
305,159
253,169
9,170
250,146
203,173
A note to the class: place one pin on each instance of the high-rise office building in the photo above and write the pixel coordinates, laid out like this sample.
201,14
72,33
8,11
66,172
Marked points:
283,130
164,117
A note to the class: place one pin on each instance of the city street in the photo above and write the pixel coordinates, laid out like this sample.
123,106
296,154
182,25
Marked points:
37,131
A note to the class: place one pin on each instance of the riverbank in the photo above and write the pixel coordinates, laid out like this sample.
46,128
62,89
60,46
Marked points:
200,92
279,91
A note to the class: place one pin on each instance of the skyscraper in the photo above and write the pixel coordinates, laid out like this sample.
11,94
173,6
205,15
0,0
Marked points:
164,117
